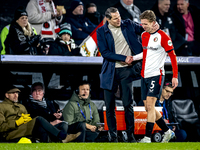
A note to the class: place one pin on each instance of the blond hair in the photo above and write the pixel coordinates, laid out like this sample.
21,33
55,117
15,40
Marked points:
27,30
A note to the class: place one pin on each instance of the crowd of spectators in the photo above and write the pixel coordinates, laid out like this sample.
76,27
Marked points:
45,21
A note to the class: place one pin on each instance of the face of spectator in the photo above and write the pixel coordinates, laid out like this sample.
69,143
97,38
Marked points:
167,92
38,93
115,20
84,91
91,10
78,10
12,96
22,21
147,26
182,6
164,6
65,37
128,2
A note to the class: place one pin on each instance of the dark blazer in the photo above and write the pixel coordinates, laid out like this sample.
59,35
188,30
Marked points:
106,46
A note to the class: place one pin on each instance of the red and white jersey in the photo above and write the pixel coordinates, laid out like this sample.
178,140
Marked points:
155,48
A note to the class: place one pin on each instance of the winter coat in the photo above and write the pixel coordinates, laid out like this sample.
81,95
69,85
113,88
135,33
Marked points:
95,18
180,23
36,18
79,21
106,46
59,48
9,113
72,113
18,43
166,22
34,109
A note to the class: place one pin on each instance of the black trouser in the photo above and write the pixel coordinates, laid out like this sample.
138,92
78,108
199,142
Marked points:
85,136
43,129
124,77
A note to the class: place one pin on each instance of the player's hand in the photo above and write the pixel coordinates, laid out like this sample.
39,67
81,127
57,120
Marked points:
174,82
156,26
129,59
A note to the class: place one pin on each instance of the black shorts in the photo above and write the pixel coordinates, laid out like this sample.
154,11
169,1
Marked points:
152,86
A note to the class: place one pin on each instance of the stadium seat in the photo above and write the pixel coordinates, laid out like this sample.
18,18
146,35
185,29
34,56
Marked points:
185,114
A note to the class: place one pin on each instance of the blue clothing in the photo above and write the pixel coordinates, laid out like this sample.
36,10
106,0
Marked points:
79,21
106,46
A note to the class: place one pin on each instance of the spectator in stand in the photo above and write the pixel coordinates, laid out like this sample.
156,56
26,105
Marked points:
15,122
4,33
64,44
38,105
44,17
186,20
82,114
92,14
21,39
128,10
81,26
165,20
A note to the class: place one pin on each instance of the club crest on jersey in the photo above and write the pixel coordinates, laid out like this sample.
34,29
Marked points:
155,39
170,43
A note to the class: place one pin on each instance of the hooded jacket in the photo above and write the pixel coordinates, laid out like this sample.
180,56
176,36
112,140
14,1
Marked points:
72,112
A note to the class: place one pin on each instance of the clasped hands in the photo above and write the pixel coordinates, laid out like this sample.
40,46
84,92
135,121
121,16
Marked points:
128,61
23,119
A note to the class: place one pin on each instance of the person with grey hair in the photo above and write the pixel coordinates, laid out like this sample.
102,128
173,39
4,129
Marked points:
128,10
119,46
38,105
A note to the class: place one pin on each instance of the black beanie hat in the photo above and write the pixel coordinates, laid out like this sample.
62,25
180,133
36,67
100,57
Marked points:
75,3
20,11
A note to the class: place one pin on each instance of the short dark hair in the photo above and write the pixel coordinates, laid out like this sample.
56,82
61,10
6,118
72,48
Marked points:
91,5
167,84
37,84
109,11
83,82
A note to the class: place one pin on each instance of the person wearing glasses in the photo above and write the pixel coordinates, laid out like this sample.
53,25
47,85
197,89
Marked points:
38,105
166,103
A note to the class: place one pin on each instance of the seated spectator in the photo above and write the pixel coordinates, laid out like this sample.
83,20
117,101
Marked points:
164,18
81,26
44,17
166,103
186,20
21,38
39,106
3,37
92,14
15,122
64,44
82,114
128,10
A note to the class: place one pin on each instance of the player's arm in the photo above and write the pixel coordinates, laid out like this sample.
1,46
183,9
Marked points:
138,56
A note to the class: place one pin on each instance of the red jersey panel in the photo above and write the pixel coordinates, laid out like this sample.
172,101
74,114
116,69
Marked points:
155,48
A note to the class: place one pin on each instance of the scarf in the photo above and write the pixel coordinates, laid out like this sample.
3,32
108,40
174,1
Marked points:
42,103
47,26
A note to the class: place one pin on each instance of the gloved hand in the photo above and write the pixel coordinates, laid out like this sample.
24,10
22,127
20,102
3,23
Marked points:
26,117
34,40
20,121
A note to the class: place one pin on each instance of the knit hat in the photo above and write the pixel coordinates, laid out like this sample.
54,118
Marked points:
65,28
75,3
20,11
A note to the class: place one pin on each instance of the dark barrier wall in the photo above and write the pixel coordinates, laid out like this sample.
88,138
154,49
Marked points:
7,7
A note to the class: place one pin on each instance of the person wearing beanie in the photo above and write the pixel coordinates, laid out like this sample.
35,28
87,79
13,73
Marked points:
21,39
81,26
64,44
15,122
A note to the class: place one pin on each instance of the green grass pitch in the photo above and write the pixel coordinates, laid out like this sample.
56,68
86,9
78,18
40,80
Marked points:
101,146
